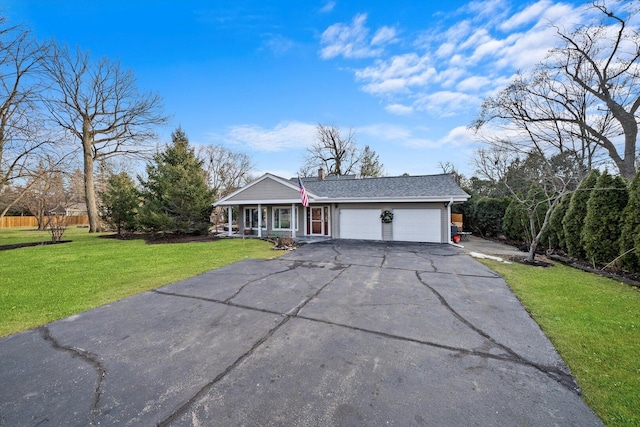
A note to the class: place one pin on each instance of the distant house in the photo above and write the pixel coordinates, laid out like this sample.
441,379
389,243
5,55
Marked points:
400,208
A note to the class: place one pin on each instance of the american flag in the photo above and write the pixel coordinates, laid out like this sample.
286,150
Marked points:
303,194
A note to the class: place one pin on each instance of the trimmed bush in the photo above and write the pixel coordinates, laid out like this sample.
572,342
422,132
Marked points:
573,220
488,213
601,231
555,231
515,222
630,233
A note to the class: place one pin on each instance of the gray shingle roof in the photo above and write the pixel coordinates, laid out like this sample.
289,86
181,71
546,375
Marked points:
426,186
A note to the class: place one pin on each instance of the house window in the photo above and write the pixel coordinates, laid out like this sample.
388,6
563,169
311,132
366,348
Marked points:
251,218
282,219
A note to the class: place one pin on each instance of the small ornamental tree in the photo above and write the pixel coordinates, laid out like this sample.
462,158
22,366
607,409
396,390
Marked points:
176,196
573,220
601,231
120,203
630,233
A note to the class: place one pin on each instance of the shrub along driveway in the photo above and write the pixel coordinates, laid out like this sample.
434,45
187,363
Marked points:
334,333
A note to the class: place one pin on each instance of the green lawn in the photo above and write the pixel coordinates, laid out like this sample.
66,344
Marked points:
44,283
594,323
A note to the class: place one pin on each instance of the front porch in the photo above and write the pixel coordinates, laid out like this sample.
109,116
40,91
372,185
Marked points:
279,221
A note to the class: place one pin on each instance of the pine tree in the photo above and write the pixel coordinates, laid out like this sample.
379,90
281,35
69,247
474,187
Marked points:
601,231
120,202
176,196
370,165
573,220
630,234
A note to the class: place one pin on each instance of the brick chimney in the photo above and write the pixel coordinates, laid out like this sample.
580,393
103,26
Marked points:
320,174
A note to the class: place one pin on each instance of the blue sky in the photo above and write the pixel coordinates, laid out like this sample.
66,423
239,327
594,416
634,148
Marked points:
258,76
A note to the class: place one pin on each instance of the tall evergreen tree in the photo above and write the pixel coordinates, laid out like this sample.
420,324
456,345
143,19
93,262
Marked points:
601,231
573,220
630,234
556,230
370,165
176,196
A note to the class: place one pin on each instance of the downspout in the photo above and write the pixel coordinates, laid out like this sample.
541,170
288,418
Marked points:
449,221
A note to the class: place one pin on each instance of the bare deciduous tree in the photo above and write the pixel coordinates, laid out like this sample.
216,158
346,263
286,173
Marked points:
337,154
226,170
99,104
537,183
44,192
583,98
22,141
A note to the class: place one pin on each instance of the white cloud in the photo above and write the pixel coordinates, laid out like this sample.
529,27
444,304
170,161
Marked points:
526,16
447,103
283,136
399,109
473,84
277,44
328,7
384,35
397,74
352,40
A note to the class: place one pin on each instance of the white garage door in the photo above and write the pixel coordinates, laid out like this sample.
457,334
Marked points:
360,224
417,225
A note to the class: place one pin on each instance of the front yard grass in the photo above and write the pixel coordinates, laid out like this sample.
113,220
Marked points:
594,323
45,283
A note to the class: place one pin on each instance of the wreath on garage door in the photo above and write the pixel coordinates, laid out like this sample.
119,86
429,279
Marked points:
386,216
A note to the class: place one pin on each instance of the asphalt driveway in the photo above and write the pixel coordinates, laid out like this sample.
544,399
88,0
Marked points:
332,334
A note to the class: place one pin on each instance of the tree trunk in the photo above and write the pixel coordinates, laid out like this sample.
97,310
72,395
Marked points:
89,187
535,238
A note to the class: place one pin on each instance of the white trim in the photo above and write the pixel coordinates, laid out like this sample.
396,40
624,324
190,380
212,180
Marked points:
322,220
273,217
230,220
328,201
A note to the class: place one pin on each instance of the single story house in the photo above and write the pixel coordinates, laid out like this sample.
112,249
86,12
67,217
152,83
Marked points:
398,208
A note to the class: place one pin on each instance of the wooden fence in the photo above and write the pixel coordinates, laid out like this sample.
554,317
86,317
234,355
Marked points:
30,221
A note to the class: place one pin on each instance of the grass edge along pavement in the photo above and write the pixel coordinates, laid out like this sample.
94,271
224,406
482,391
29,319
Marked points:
594,323
45,283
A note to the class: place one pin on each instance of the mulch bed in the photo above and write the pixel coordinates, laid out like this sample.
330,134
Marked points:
543,260
27,245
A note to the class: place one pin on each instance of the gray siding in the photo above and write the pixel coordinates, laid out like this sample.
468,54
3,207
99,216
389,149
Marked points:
267,190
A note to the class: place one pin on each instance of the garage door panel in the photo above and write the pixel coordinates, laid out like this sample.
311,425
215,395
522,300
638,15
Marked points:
417,225
361,224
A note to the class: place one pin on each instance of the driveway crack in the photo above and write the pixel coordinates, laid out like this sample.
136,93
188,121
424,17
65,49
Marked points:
90,358
557,374
185,406
241,288
286,316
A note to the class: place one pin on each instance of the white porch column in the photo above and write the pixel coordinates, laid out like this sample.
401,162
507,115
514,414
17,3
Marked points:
294,220
230,224
259,220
